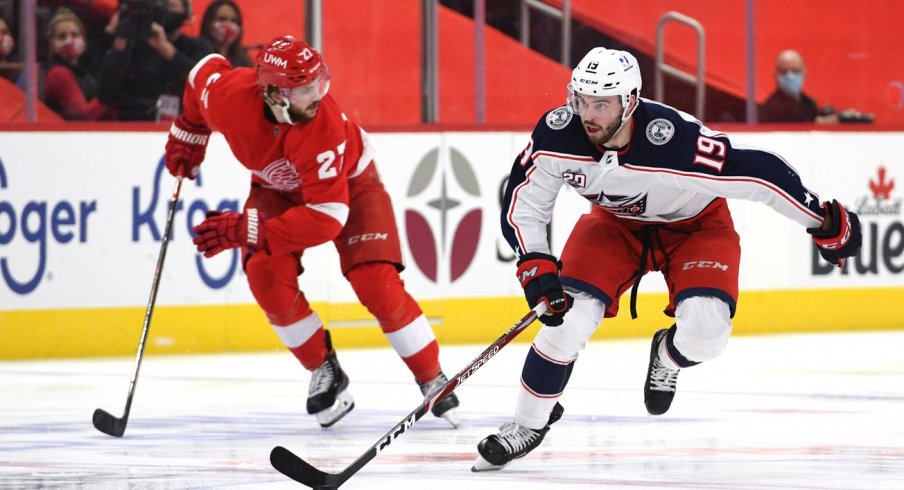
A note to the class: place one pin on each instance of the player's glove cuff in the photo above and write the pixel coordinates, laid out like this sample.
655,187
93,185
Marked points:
534,264
839,236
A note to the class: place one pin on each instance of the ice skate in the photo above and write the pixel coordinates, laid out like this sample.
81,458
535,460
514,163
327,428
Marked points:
662,382
328,395
512,442
444,408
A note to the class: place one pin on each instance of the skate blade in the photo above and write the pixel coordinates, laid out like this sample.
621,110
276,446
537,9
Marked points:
451,416
481,464
341,407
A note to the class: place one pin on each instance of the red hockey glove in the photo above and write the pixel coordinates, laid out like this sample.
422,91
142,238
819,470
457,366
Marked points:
839,236
539,276
225,230
185,148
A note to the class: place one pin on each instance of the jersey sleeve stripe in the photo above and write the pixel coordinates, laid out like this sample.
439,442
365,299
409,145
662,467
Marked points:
748,180
335,210
562,156
511,210
367,155
194,71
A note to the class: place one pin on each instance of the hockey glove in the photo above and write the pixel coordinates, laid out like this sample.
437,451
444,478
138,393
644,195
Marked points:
539,276
185,148
839,236
225,230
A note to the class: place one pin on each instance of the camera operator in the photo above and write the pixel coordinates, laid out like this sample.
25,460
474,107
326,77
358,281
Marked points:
144,72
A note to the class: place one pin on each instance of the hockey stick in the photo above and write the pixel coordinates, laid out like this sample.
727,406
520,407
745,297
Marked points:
103,420
297,469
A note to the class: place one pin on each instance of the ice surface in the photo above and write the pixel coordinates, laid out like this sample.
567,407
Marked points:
773,412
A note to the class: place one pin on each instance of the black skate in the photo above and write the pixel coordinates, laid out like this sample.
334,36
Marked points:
444,408
512,442
328,395
662,382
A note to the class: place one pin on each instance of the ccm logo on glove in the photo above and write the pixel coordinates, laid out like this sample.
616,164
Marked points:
538,274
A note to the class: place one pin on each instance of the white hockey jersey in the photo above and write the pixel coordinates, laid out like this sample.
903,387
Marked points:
673,167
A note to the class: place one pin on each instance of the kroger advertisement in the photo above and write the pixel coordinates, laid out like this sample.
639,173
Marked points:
82,213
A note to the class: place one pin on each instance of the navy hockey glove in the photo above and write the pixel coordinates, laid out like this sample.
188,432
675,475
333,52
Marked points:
539,276
839,237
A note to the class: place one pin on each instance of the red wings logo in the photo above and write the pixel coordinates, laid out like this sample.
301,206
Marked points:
882,189
280,174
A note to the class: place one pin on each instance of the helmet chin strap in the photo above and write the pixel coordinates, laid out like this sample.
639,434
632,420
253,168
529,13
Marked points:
626,114
626,99
280,110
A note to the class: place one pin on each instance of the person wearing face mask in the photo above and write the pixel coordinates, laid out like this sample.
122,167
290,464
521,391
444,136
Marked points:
222,27
68,87
788,103
143,74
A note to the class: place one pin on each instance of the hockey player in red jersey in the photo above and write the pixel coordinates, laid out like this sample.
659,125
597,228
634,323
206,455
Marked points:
313,180
657,180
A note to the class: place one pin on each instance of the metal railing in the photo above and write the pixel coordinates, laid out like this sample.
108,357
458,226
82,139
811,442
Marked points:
314,10
564,15
660,68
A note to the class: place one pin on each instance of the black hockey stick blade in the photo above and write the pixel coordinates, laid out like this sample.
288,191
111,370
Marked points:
103,420
108,424
287,463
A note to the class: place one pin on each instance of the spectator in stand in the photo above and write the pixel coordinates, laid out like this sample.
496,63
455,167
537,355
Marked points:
789,104
144,71
222,28
7,46
69,88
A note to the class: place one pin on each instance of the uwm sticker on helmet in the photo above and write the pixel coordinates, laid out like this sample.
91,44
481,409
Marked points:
288,62
275,60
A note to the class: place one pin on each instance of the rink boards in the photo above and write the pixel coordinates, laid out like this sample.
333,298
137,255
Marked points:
81,215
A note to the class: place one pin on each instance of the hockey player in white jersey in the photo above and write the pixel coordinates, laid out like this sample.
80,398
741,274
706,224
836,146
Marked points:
658,180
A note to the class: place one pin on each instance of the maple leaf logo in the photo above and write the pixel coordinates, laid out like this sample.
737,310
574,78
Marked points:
882,188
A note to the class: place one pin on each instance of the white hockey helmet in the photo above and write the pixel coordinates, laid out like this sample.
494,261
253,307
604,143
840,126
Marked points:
606,72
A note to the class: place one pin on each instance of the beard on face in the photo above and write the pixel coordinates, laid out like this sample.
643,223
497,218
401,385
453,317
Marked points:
304,114
606,133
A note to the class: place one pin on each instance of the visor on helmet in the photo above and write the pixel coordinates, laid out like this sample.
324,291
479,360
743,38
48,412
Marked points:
579,102
309,93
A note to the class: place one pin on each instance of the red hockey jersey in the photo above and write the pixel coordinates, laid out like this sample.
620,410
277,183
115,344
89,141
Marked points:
312,160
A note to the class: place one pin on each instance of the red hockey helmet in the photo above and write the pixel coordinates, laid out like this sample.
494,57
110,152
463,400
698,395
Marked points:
292,66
